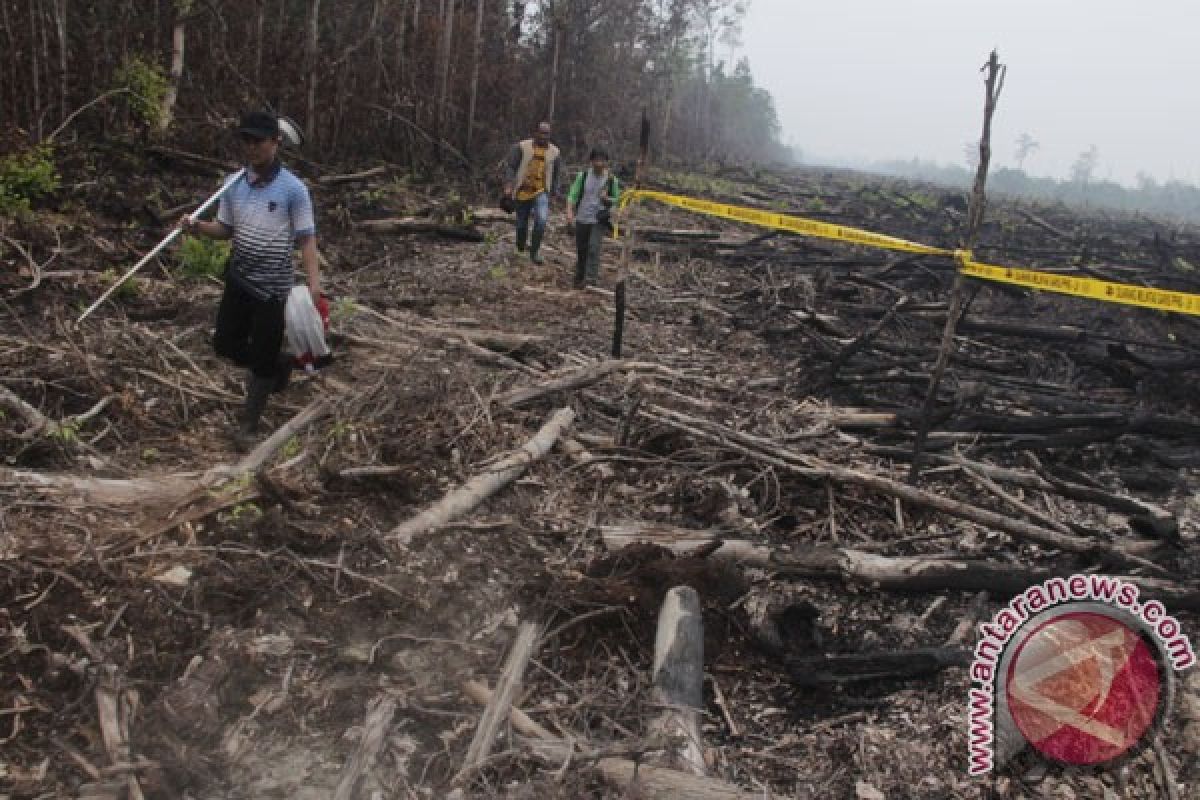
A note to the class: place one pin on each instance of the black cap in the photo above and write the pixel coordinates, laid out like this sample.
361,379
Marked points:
598,152
262,124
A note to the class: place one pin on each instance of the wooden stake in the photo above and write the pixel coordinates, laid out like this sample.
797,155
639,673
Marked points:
619,320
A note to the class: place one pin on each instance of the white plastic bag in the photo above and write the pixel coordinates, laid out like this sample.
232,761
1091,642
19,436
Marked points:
304,329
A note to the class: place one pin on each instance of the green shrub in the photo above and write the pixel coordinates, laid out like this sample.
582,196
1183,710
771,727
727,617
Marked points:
26,176
203,258
147,85
128,290
343,309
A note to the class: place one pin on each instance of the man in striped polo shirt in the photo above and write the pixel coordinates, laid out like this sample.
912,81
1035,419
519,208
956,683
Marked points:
267,212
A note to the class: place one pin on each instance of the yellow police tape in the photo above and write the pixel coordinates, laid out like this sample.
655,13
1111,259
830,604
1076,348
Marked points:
784,222
1092,288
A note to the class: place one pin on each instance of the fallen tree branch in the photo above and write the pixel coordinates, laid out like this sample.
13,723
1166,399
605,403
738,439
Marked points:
501,701
828,670
462,500
352,177
167,490
374,729
808,466
573,380
412,225
861,341
500,341
893,573
642,780
1142,513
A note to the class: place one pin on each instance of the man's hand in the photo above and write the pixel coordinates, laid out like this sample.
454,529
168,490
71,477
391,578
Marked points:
570,217
187,224
508,191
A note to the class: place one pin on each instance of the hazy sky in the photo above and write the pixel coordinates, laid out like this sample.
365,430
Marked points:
882,79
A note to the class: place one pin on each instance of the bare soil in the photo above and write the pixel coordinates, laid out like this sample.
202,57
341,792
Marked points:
244,626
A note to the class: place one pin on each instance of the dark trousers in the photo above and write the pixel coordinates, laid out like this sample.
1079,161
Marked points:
589,240
249,330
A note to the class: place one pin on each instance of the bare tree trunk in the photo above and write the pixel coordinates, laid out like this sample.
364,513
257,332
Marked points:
310,108
35,124
178,48
554,72
10,46
414,39
475,73
260,24
60,24
993,83
668,101
281,23
44,41
447,47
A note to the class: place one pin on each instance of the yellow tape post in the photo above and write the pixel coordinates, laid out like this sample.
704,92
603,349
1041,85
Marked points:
1091,288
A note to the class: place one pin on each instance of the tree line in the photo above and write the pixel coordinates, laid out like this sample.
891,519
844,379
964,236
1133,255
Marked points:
1080,190
410,81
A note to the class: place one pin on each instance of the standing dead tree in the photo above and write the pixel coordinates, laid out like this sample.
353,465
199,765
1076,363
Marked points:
993,84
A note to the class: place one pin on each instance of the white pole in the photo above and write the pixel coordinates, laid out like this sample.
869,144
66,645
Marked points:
158,248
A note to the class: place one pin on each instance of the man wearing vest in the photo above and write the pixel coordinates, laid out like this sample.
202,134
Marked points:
592,195
267,212
533,167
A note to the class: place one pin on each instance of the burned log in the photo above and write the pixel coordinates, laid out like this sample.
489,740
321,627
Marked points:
413,225
892,573
827,670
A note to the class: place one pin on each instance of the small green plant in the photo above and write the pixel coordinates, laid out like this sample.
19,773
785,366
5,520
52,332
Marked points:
203,258
245,510
66,432
147,85
292,448
127,290
26,176
816,205
343,309
340,430
497,272
376,195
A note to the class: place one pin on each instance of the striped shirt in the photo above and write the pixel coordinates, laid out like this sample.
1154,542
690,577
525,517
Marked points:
268,218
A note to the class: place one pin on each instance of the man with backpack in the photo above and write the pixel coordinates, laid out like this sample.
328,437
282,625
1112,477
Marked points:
590,201
533,166
267,213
